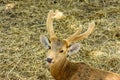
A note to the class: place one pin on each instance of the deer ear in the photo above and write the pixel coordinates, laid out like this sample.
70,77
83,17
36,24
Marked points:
45,41
73,49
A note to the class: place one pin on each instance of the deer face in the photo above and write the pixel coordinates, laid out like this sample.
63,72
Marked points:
58,49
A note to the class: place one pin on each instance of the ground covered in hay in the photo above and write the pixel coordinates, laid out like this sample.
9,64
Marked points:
22,57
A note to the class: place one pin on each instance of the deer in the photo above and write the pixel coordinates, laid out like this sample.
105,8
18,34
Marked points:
59,49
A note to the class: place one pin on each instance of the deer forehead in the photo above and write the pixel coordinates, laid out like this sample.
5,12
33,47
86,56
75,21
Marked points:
57,44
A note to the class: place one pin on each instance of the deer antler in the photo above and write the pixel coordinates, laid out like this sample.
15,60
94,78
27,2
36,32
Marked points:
51,16
76,37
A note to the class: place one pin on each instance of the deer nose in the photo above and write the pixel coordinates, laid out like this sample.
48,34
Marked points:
49,60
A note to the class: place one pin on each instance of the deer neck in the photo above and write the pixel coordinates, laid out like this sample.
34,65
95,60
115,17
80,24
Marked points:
62,69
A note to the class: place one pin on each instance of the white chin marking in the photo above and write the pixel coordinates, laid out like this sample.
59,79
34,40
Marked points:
50,63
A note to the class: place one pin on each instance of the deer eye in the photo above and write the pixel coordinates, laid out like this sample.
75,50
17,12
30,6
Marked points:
49,47
61,51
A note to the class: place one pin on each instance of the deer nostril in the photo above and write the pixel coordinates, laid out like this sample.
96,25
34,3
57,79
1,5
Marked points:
49,60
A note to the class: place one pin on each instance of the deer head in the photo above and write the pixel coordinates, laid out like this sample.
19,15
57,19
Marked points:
59,49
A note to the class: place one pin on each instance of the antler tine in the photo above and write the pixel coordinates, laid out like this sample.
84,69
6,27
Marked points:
49,24
69,39
75,37
51,16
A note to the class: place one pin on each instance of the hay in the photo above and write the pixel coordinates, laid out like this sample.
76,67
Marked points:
22,57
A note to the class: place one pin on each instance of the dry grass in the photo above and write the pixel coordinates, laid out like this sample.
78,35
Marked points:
22,56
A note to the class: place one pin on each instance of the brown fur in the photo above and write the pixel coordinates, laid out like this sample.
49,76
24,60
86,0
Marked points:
66,70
